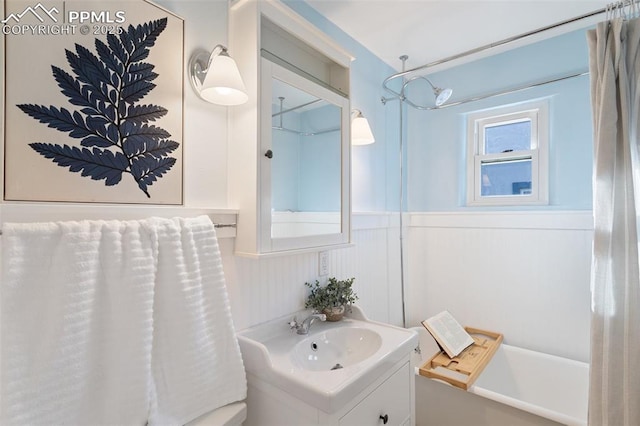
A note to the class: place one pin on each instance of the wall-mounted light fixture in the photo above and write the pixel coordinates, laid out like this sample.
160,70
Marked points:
215,77
360,130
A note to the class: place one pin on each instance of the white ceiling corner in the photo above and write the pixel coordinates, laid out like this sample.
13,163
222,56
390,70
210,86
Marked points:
431,30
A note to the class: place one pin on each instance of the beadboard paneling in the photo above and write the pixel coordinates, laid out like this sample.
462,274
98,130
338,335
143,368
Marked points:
524,275
373,265
268,288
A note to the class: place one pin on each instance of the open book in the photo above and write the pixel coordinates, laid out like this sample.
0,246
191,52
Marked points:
449,334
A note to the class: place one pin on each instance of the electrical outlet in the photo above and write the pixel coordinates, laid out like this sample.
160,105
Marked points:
323,263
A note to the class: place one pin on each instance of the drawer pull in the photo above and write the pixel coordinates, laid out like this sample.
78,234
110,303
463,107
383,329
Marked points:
385,419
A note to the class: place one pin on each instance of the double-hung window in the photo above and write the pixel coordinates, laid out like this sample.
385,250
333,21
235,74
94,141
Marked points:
507,155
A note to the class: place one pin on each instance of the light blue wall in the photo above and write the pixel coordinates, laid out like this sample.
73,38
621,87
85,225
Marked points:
320,169
306,169
437,139
435,147
375,168
285,169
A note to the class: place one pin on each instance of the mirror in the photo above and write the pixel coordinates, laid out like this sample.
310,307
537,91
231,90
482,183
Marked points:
305,174
305,170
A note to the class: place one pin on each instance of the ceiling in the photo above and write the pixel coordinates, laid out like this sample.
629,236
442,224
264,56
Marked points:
432,30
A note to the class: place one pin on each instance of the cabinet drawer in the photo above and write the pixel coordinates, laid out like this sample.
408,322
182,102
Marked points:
391,399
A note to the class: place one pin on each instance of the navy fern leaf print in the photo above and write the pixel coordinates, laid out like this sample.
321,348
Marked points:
116,137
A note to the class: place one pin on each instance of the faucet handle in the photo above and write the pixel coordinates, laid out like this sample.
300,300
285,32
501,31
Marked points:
293,324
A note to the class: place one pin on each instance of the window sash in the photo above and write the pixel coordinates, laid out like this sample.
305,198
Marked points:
495,140
535,112
511,199
505,119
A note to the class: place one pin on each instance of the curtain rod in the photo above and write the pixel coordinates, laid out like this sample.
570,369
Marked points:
492,45
215,225
498,93
315,101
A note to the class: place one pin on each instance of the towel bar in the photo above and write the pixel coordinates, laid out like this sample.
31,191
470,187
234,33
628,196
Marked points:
215,225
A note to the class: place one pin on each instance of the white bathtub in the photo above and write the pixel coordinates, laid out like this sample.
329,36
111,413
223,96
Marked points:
518,387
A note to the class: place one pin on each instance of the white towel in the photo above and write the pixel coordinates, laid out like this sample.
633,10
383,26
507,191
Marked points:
197,365
76,302
115,323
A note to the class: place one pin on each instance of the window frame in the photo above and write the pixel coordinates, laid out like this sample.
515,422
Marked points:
538,113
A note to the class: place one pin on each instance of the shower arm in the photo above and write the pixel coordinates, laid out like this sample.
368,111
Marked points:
402,95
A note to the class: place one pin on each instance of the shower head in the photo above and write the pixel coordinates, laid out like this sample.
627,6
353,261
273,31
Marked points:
442,95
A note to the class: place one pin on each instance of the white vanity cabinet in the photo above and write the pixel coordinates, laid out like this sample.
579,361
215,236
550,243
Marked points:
354,372
389,403
289,145
390,398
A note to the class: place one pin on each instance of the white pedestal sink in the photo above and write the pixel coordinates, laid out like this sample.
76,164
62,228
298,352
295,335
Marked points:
332,365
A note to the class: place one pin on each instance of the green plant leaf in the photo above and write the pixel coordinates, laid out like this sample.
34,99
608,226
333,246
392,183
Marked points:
336,293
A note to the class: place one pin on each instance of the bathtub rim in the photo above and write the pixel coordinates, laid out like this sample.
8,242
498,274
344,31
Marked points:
547,413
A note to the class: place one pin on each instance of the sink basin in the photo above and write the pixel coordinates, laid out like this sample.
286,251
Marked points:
332,364
336,348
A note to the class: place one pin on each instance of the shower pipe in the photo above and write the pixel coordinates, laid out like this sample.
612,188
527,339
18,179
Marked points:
403,58
403,73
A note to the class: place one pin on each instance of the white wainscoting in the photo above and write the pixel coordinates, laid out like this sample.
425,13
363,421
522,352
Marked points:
523,274
264,289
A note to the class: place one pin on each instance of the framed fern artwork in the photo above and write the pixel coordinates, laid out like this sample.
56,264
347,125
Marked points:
93,102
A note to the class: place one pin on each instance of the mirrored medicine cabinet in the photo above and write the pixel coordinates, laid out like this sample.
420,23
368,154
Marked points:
289,147
303,146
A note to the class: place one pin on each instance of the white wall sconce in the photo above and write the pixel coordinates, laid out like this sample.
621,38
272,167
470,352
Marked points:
215,77
361,133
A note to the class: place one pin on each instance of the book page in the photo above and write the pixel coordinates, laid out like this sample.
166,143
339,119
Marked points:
449,333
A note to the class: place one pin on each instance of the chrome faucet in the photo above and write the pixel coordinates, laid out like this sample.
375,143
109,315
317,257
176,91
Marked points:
304,326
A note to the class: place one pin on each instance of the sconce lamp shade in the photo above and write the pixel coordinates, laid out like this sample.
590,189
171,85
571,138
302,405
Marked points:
216,78
360,130
223,84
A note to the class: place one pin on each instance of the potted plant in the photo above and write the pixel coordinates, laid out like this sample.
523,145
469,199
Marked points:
332,299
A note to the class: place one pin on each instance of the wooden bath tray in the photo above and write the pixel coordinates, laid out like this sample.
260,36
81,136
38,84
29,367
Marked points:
462,370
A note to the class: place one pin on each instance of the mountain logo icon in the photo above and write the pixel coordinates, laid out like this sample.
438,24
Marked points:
38,11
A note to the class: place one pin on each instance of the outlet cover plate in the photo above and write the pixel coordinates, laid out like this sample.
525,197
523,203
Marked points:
323,263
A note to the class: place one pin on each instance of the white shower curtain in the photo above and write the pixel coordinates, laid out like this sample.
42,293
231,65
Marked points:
614,394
